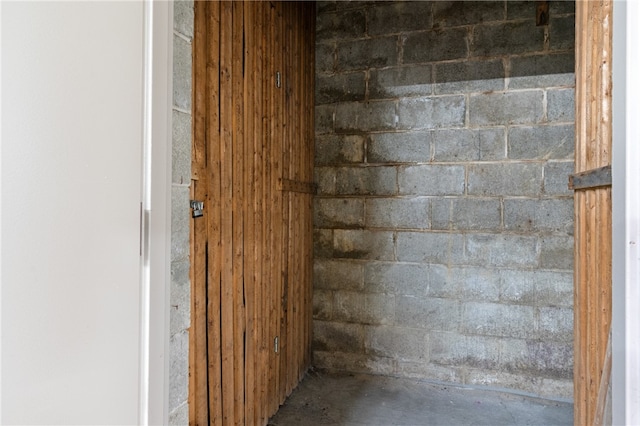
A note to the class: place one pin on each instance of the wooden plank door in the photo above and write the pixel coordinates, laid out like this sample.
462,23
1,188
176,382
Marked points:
592,185
252,167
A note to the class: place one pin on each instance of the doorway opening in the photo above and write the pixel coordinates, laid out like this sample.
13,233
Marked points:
443,226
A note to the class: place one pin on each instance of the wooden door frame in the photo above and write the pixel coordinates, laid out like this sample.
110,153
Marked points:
156,226
624,65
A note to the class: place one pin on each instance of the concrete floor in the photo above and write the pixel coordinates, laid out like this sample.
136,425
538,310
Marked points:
359,400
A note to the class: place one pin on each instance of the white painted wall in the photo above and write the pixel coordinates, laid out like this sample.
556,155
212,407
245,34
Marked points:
626,214
82,312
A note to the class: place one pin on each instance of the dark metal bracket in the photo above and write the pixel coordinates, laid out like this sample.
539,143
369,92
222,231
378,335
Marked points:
594,178
542,13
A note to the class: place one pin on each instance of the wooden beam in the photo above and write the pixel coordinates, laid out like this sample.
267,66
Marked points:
296,186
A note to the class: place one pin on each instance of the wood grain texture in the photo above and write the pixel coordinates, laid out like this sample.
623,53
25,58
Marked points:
592,268
253,166
249,215
198,370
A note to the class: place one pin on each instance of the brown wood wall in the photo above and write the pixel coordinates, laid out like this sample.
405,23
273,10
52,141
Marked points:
253,167
592,205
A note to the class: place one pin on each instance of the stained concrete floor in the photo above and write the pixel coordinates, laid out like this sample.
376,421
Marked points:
364,400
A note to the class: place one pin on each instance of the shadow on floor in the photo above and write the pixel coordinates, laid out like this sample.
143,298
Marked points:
365,400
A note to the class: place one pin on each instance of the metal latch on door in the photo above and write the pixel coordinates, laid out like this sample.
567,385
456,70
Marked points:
197,207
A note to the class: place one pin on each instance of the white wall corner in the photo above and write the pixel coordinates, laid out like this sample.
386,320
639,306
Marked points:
158,76
626,214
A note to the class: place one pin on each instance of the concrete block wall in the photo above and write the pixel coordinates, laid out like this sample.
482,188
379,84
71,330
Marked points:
180,215
443,222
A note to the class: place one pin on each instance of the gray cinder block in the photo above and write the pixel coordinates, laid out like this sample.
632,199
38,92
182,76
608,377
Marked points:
506,108
367,53
180,222
458,13
404,147
431,112
181,73
501,250
493,319
556,252
338,212
505,179
398,82
561,105
534,215
397,342
466,214
541,142
363,244
325,57
512,38
335,149
428,313
544,70
346,25
385,18
363,308
556,177
435,179
469,144
469,76
180,298
340,88
356,117
428,247
338,274
397,213
436,45
183,17
339,337
366,180
322,305
398,278
181,148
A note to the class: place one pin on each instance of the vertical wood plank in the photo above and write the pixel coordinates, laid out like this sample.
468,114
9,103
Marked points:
249,223
580,356
306,220
302,155
606,297
298,140
296,243
309,134
259,209
591,291
226,209
286,266
255,243
238,195
268,230
580,325
276,158
214,219
592,271
198,392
